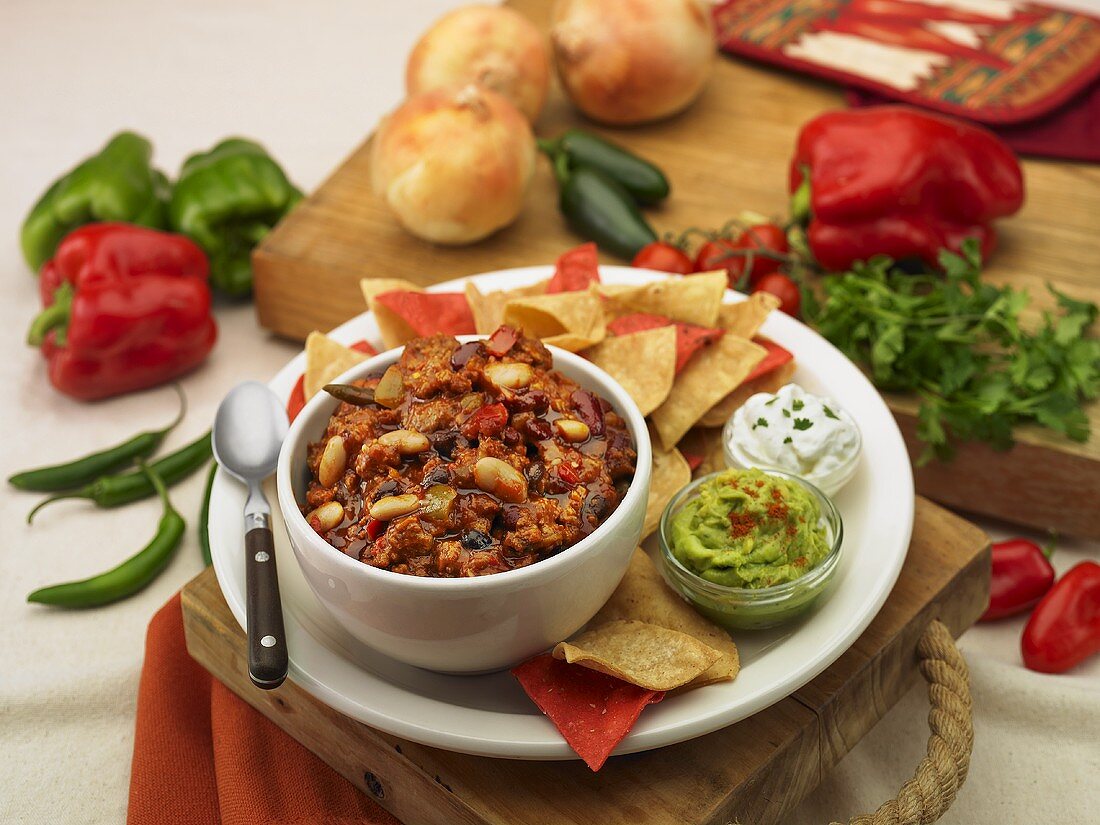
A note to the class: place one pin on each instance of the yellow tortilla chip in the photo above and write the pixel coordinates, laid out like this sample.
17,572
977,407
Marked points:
488,307
326,359
671,473
395,330
692,298
570,320
643,596
744,318
643,362
710,376
647,655
717,415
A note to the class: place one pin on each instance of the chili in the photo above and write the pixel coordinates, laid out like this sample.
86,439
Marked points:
87,469
1022,574
204,516
134,573
122,488
1064,630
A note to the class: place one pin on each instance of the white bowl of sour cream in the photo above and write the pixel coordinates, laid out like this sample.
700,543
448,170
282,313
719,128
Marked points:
797,432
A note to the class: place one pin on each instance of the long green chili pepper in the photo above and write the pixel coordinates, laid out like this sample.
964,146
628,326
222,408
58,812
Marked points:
204,516
134,573
116,490
90,467
645,182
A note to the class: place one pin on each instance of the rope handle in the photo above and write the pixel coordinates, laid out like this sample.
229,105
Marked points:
926,796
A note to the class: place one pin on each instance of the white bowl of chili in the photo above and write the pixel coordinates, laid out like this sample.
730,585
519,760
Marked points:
471,624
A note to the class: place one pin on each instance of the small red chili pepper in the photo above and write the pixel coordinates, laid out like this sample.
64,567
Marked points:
1064,630
501,341
1022,575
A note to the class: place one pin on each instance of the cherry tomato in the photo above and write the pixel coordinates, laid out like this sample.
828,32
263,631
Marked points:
766,236
721,253
783,288
663,257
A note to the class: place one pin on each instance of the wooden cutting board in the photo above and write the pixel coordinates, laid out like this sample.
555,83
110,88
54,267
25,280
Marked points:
728,153
753,772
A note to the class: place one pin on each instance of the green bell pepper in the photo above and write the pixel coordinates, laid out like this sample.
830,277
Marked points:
226,200
118,184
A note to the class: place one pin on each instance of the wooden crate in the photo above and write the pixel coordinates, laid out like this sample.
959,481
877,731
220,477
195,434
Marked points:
729,152
752,772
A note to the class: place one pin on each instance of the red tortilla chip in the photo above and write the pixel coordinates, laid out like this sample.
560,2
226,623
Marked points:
591,710
694,460
690,338
776,357
576,270
297,398
364,347
430,312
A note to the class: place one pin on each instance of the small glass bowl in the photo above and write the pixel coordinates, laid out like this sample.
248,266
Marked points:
744,608
830,485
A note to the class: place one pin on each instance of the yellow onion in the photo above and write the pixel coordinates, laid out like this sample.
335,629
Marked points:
492,46
454,164
632,61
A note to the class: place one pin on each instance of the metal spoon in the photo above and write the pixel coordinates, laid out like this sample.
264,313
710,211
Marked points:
248,432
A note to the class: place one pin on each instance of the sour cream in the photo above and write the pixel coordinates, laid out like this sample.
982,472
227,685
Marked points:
795,431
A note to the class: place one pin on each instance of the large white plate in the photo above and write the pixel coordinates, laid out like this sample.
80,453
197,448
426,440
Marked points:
490,715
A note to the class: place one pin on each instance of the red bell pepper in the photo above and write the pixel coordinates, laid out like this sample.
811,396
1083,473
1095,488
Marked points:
896,181
126,308
1022,574
1064,630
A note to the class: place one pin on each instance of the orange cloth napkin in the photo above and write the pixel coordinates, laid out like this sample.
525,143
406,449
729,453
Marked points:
201,755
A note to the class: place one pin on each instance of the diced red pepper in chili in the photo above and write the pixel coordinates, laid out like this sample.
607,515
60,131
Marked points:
489,421
568,474
501,341
375,528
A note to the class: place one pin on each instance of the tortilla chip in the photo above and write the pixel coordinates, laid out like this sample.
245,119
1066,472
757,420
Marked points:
591,710
643,596
777,374
646,655
670,474
690,338
488,307
570,320
326,359
709,377
692,298
744,318
643,362
403,315
576,270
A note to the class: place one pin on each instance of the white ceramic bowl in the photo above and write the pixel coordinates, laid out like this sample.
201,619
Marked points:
466,625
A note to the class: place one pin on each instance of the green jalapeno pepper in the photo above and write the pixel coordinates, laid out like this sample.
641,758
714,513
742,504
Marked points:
645,182
87,469
116,490
204,516
134,573
600,209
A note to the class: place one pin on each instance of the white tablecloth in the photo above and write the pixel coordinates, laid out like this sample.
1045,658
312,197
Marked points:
308,80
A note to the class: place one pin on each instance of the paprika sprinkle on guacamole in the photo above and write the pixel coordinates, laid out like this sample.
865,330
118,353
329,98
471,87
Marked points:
746,528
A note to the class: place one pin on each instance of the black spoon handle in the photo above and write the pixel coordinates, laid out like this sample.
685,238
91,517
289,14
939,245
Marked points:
267,655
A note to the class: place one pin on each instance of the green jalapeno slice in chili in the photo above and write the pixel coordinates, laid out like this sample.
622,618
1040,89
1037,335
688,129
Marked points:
134,573
85,470
116,490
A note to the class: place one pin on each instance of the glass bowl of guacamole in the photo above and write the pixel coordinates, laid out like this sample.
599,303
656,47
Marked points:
750,548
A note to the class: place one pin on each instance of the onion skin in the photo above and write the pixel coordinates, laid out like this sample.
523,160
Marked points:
454,164
493,46
624,62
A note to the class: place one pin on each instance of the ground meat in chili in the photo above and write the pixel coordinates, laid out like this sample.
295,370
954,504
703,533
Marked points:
487,463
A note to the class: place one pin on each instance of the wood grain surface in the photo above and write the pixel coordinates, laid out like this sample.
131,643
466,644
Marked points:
729,152
755,771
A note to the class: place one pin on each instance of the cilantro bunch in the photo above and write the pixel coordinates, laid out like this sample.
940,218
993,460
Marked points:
958,343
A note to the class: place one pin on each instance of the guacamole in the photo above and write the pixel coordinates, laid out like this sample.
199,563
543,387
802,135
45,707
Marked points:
746,528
